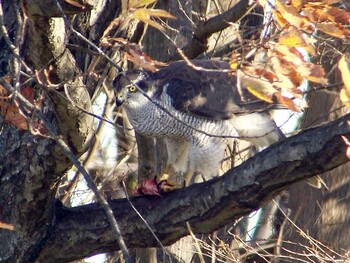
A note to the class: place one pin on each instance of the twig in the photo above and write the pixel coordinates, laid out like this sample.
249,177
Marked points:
200,37
196,244
317,244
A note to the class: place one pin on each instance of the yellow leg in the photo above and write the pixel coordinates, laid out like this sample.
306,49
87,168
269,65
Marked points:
188,177
166,179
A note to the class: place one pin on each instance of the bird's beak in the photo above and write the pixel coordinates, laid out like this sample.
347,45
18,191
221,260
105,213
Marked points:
119,99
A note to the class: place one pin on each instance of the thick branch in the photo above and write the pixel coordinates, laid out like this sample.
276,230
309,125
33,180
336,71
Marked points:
199,41
206,206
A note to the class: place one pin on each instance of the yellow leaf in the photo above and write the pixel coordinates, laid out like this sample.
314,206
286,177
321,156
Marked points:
344,67
292,38
144,15
261,89
279,19
259,92
234,65
344,97
235,61
298,4
295,38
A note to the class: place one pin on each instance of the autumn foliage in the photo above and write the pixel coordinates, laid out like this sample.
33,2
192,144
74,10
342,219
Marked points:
287,63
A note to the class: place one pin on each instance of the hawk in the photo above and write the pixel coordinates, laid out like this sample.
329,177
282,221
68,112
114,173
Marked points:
196,108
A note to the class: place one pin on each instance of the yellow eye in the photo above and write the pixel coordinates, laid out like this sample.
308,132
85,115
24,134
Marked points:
132,89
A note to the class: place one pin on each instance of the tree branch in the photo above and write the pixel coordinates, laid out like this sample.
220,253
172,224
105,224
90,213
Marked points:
199,41
206,206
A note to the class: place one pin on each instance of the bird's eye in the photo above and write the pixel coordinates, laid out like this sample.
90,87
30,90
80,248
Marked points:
132,88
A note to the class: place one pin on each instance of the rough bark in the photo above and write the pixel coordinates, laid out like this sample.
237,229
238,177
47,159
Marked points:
26,192
237,193
31,165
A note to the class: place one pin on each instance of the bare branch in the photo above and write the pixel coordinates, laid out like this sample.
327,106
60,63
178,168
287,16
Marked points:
199,41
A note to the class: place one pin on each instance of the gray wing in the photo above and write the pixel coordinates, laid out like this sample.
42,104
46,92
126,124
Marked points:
211,94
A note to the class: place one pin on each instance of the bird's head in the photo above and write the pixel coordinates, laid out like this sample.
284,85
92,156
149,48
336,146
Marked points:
131,89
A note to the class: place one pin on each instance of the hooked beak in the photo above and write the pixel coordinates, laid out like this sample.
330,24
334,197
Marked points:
119,99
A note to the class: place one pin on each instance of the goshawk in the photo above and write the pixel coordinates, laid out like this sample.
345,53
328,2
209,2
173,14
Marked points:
196,109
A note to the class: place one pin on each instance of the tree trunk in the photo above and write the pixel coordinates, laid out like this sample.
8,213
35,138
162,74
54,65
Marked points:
31,163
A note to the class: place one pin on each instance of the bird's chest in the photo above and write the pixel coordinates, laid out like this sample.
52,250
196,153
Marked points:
162,120
156,120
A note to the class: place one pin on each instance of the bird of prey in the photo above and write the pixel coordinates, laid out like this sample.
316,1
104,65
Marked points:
196,107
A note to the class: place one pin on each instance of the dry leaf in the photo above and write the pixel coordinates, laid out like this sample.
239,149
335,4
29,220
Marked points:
116,23
6,226
322,12
289,103
328,19
134,54
262,89
145,15
314,73
295,38
335,30
291,15
11,112
260,72
288,77
340,15
297,63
